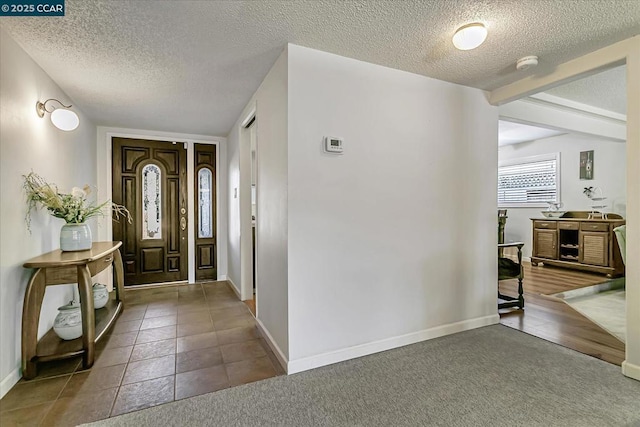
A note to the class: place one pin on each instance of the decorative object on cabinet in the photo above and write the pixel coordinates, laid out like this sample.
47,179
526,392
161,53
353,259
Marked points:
553,210
74,208
578,241
59,268
597,197
508,268
68,323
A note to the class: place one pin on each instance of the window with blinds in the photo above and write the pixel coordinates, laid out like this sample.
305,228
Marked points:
529,181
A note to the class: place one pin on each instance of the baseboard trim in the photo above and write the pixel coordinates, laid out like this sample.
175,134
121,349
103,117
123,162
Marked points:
631,370
332,357
272,344
222,277
9,381
233,288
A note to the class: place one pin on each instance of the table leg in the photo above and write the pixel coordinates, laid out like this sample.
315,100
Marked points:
119,285
33,297
88,315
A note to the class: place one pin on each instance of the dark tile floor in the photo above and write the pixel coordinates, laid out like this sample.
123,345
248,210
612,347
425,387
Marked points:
170,343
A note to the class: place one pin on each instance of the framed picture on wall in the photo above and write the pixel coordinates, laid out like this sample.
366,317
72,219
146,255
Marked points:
586,164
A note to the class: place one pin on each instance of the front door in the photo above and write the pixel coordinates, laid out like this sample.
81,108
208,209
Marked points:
150,179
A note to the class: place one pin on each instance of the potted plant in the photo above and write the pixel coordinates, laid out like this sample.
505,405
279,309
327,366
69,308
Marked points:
74,208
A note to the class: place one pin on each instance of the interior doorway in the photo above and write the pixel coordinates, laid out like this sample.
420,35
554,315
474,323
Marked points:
570,121
250,271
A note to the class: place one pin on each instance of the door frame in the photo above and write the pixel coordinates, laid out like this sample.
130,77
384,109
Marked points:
103,177
623,52
247,256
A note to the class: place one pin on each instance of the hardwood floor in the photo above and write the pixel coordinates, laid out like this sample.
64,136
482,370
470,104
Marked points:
251,303
552,319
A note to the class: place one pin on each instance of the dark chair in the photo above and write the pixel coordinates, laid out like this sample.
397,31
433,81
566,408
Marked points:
508,268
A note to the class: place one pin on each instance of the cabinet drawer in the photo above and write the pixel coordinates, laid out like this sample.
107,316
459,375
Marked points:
545,224
594,226
568,225
98,265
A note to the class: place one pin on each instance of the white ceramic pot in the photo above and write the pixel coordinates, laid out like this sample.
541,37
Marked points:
75,237
68,322
100,295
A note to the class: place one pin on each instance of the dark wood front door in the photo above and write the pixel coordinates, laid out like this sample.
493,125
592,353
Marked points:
205,210
150,179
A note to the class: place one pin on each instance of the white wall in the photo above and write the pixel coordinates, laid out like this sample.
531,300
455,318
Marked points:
233,207
609,175
270,106
28,143
394,241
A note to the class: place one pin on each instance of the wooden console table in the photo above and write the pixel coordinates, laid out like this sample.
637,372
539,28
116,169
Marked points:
58,268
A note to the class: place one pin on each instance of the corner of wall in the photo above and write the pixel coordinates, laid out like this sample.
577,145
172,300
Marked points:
631,370
9,381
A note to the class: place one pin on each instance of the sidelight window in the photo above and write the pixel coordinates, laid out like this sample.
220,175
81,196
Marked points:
151,202
205,203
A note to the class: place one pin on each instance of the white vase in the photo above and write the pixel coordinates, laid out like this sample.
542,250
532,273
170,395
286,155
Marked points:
100,295
68,322
75,237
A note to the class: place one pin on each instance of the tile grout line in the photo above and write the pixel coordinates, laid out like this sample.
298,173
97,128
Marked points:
57,397
115,399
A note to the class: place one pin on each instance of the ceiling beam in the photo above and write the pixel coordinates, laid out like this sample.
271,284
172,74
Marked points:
554,116
592,63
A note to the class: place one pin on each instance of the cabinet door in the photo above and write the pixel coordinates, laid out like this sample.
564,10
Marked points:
545,243
594,248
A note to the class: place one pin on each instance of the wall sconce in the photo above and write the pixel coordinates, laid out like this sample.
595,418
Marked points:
62,118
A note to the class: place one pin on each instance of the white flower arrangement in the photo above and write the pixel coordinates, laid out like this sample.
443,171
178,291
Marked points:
72,207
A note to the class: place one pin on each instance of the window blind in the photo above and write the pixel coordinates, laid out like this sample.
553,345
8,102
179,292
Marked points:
528,182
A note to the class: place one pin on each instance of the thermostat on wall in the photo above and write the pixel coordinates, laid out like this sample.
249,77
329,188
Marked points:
333,144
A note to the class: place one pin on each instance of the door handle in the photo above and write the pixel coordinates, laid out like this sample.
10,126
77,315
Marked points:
183,223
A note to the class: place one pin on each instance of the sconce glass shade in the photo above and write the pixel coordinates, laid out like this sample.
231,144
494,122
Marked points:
64,119
470,36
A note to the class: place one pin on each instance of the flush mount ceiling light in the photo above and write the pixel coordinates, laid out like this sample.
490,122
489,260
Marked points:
470,36
61,117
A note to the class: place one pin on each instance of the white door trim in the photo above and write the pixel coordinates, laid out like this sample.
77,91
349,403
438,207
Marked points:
246,244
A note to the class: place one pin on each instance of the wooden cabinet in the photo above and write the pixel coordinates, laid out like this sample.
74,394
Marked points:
58,268
544,243
579,243
594,248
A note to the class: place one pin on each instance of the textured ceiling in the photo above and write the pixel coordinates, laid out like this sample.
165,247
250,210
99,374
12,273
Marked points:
191,66
607,90
514,133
